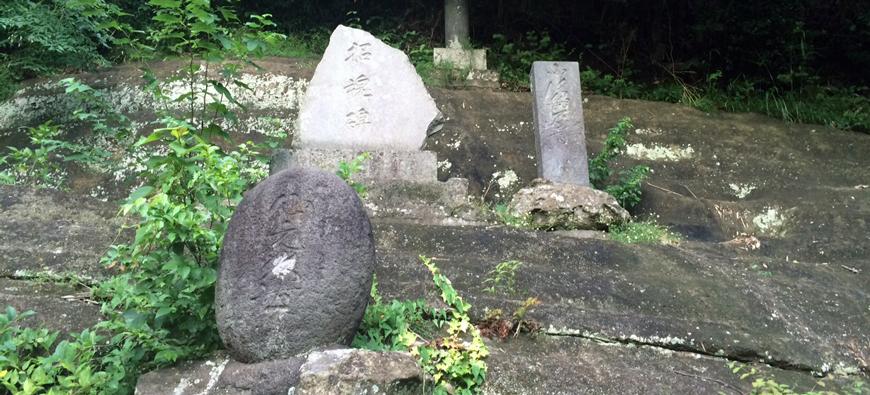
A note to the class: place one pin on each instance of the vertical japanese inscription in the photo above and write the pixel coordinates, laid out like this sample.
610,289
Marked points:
558,102
560,135
357,88
283,243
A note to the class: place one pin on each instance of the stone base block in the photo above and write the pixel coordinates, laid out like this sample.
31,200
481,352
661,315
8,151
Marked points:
336,371
557,206
474,59
415,166
399,184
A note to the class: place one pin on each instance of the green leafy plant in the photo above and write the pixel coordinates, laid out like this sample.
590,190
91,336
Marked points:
34,362
40,163
503,277
395,326
41,37
163,300
159,308
513,57
608,84
643,233
627,189
454,359
455,355
504,215
763,384
346,171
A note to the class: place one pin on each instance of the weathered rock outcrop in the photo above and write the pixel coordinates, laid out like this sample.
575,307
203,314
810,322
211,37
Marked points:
556,206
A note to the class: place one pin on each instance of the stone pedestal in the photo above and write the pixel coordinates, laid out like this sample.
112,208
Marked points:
461,58
400,184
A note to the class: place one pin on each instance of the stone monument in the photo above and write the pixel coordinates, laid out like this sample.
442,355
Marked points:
560,135
457,54
366,96
562,197
295,268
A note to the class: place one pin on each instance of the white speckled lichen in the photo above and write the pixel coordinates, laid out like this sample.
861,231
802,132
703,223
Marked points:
268,92
741,191
771,222
657,152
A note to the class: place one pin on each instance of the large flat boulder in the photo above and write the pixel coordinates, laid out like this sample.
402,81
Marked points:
43,230
703,298
57,307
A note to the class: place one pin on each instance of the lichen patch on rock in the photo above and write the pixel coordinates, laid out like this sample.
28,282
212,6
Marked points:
658,152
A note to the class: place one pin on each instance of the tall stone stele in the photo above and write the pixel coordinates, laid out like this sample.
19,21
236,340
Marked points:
366,96
560,135
562,197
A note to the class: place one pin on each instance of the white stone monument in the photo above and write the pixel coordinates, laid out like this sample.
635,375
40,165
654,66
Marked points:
366,96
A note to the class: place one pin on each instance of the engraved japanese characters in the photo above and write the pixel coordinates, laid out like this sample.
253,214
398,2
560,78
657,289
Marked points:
560,136
296,267
365,95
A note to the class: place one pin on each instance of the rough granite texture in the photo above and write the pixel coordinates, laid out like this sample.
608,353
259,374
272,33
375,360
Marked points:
367,95
358,372
222,375
296,267
554,206
417,166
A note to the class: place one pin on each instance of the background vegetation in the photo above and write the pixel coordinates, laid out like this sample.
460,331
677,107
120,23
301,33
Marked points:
800,60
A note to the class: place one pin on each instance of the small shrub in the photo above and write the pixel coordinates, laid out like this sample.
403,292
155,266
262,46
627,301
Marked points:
39,164
455,358
643,233
496,325
627,189
33,361
395,326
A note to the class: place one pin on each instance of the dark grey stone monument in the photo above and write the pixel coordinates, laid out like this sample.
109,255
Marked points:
295,268
560,136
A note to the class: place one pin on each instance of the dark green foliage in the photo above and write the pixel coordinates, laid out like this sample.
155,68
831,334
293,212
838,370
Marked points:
608,84
387,326
34,362
41,37
513,58
164,298
346,171
159,307
627,189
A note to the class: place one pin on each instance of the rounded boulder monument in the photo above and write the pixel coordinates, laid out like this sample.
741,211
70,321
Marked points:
295,268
